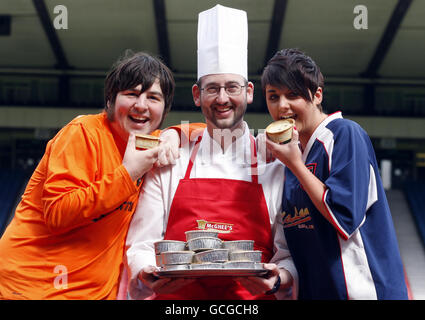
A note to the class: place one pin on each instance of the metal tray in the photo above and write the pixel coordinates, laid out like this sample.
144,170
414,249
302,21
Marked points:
211,273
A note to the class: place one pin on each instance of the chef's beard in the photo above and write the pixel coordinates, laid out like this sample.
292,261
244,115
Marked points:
231,123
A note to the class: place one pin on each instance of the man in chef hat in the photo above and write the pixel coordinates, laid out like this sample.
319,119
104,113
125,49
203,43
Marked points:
223,194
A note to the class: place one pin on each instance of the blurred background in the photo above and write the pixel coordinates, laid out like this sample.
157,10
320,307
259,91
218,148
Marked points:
54,56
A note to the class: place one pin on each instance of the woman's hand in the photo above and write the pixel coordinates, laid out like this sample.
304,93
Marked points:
138,162
289,153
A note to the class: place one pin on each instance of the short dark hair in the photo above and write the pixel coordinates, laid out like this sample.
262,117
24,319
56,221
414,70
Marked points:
293,69
133,69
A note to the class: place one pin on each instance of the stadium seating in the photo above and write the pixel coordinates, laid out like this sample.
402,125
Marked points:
11,182
415,195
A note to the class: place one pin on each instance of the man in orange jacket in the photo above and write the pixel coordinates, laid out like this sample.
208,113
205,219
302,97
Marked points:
66,240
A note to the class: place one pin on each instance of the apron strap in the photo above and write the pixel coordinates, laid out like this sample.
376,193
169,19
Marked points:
192,157
254,170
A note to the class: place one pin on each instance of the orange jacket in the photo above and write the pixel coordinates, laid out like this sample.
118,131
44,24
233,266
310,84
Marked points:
66,240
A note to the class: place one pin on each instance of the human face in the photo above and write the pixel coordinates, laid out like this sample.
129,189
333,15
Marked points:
284,104
138,112
223,111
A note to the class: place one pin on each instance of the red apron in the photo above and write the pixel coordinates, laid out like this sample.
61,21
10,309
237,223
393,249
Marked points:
236,208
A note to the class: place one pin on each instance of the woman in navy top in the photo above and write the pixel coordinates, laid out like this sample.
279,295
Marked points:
335,213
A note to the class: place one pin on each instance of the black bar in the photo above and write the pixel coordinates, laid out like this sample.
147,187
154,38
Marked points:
276,27
369,99
387,38
162,33
5,22
46,22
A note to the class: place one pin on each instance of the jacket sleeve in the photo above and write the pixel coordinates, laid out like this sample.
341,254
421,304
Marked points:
351,185
189,131
147,226
271,175
76,190
283,259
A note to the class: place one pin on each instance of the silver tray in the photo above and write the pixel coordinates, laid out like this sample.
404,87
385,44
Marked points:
211,273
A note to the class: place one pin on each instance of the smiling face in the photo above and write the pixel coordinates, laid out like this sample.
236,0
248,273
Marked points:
139,90
137,111
282,103
223,110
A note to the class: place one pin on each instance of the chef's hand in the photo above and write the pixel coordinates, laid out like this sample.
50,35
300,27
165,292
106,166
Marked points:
161,285
261,285
169,148
138,162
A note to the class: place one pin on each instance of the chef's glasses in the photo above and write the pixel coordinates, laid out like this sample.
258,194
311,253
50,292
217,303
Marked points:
233,89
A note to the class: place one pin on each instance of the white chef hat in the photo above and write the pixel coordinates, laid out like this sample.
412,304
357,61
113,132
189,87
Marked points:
222,41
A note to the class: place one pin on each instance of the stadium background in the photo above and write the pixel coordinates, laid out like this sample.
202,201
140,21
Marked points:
375,75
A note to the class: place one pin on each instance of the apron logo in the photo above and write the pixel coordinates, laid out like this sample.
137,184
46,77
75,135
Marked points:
217,226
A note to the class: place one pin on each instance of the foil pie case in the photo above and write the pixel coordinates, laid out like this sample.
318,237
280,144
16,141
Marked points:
205,254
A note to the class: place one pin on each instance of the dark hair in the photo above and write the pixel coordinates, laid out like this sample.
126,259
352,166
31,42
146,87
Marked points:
133,69
294,70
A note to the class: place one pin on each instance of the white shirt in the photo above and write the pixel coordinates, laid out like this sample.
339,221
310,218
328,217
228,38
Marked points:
150,219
